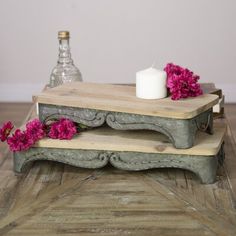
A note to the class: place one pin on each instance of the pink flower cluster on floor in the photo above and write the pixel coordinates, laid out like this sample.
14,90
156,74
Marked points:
36,130
182,83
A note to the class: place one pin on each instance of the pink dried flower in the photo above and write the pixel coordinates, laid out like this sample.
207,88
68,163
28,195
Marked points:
20,141
35,129
6,130
182,82
62,129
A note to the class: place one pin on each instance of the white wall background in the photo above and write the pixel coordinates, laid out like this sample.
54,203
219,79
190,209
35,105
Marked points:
112,39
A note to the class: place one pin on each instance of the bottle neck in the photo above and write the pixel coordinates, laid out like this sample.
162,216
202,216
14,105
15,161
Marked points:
64,52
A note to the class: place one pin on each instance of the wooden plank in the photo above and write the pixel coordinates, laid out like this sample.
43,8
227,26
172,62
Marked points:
105,138
120,98
208,88
111,206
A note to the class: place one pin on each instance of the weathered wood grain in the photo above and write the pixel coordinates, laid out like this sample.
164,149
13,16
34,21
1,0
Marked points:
120,98
54,199
105,138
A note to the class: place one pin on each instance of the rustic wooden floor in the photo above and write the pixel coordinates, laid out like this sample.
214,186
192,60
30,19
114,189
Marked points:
52,198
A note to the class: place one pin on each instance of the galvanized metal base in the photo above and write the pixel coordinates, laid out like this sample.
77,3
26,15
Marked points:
181,132
203,166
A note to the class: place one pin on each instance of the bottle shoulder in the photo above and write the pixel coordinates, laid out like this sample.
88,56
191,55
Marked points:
59,68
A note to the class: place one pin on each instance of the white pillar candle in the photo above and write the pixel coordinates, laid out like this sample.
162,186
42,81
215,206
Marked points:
151,84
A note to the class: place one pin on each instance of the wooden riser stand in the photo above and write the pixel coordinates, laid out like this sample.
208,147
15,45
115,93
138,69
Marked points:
187,142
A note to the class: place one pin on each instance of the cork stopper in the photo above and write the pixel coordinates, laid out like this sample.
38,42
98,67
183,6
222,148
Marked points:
63,34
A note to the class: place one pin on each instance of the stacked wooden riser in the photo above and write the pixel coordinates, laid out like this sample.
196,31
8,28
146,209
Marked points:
123,130
130,150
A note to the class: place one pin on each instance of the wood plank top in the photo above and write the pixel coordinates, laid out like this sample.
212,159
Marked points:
105,138
122,98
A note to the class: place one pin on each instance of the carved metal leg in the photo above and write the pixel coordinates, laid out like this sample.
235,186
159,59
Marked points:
78,158
203,166
180,132
88,117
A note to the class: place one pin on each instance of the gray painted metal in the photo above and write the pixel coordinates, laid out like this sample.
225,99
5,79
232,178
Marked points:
181,132
203,166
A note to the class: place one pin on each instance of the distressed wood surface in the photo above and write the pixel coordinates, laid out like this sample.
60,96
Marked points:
52,199
230,165
105,138
121,98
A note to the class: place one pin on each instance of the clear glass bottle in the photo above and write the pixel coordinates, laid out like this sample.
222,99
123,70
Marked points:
65,71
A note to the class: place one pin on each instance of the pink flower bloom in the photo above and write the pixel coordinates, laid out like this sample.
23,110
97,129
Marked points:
181,82
20,141
5,130
35,129
62,129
